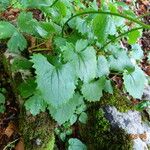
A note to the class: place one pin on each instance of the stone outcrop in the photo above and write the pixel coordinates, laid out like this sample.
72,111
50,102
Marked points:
114,125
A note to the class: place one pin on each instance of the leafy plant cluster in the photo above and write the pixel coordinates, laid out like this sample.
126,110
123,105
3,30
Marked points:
84,51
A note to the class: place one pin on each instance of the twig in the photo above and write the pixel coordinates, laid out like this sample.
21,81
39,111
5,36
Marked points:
9,144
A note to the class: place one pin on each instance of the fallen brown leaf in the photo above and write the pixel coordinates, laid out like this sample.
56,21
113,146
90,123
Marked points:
20,145
10,129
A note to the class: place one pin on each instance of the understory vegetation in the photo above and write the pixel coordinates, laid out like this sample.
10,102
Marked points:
61,60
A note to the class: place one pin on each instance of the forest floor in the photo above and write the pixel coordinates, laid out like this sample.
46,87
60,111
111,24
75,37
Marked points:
10,138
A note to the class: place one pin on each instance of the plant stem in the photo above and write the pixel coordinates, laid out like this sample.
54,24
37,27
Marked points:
54,3
40,49
9,144
38,45
144,15
121,35
106,13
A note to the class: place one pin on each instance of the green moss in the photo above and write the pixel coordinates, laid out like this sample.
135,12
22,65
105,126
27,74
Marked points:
102,122
37,128
121,102
98,133
50,144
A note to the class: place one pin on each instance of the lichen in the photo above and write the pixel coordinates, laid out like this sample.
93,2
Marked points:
98,133
37,132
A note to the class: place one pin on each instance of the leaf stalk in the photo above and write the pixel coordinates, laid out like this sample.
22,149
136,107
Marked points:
143,25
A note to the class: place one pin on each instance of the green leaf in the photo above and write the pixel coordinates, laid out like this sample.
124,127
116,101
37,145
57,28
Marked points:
102,66
69,132
59,41
3,90
65,111
2,108
56,83
35,104
48,28
27,88
4,4
130,13
133,36
2,102
57,131
134,82
63,136
112,26
17,43
120,61
118,21
23,3
81,108
73,119
92,91
61,8
41,31
83,59
81,45
136,52
39,3
6,30
2,98
142,105
86,64
29,25
83,118
69,52
108,87
101,28
20,63
81,25
76,144
26,23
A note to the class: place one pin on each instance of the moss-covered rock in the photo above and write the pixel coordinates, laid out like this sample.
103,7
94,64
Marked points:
118,100
37,132
98,133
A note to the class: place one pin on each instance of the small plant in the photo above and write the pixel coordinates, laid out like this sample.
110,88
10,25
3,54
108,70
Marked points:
76,144
143,105
73,48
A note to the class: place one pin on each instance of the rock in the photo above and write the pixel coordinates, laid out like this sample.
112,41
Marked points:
146,97
113,124
38,142
146,93
139,145
131,123
100,134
